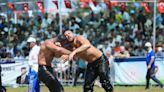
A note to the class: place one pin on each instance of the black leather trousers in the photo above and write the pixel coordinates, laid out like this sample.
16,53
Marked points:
47,76
99,67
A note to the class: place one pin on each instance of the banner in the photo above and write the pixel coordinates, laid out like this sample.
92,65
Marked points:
132,71
56,3
25,5
146,6
161,7
11,5
11,71
128,71
41,6
67,3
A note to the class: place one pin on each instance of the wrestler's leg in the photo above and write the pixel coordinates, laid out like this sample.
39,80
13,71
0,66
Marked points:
90,77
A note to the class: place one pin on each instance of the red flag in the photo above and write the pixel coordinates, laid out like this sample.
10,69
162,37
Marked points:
123,6
56,3
95,2
11,5
67,3
40,5
19,13
161,7
25,5
84,3
114,3
109,4
146,6
0,9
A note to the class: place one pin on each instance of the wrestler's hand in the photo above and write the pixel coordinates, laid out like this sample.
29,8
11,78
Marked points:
64,58
58,44
71,55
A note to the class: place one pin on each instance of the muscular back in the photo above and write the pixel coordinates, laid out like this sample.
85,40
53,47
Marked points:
49,50
90,54
45,55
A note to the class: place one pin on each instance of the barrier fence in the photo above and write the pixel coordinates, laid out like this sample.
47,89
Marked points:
128,71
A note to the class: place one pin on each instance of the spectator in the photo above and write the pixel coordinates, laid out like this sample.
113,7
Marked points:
111,65
160,52
122,53
19,55
150,61
81,68
33,64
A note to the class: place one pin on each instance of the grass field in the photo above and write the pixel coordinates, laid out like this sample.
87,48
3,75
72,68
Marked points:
96,89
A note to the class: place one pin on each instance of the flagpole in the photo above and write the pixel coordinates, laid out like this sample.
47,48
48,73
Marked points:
60,32
154,24
60,17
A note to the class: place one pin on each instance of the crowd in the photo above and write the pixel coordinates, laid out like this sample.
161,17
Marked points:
107,29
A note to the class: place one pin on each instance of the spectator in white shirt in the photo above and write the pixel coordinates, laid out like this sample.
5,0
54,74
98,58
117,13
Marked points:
33,63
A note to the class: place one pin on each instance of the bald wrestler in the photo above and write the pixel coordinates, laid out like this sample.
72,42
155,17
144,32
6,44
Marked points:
48,50
97,62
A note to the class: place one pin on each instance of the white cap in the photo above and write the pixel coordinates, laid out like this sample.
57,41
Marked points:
147,44
159,48
31,39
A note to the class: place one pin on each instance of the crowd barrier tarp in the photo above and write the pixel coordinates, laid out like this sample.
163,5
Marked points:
128,71
132,71
10,71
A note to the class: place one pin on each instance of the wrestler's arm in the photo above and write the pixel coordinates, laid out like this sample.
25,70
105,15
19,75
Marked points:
85,44
54,48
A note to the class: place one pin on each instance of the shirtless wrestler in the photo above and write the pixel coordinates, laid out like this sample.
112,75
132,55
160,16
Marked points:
97,62
49,49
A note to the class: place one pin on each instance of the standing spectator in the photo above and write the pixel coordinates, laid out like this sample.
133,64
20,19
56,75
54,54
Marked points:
150,61
33,64
81,67
111,65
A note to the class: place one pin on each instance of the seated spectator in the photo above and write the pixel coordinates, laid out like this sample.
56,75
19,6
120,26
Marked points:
160,52
122,53
23,78
18,55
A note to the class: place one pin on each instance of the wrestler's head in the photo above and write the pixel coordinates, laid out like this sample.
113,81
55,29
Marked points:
69,35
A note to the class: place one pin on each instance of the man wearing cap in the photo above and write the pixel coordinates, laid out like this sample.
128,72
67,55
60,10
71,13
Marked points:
33,64
150,61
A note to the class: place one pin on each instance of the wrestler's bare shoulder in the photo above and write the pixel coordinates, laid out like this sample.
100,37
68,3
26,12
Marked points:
79,37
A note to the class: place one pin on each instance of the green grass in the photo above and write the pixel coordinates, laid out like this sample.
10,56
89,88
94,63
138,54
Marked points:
96,89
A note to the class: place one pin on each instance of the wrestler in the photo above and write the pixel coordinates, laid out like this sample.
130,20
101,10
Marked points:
97,61
49,49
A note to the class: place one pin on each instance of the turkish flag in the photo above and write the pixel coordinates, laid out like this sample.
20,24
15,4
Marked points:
25,5
67,3
11,5
146,6
95,2
109,4
123,6
161,7
41,5
84,3
56,3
